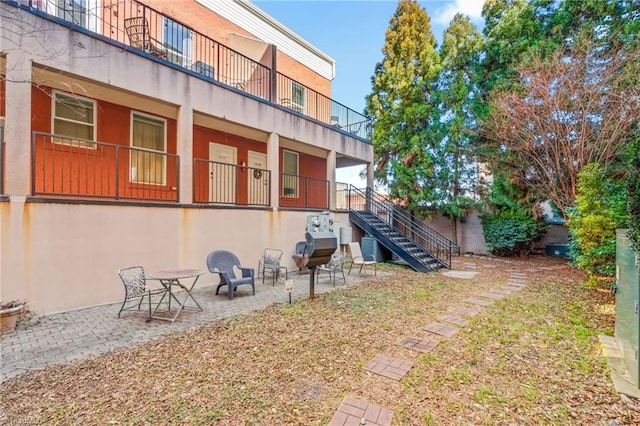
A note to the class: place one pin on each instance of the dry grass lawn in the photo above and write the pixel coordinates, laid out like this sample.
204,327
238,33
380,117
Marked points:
530,358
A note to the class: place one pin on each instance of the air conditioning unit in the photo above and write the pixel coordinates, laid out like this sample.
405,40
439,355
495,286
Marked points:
203,68
322,222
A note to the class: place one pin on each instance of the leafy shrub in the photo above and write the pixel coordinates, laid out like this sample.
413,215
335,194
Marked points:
511,232
633,191
600,208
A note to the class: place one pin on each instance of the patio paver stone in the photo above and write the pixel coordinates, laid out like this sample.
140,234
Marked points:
393,368
453,320
479,302
441,329
418,344
472,312
354,412
490,295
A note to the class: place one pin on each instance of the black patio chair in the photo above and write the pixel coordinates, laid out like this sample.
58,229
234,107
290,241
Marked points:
301,247
222,262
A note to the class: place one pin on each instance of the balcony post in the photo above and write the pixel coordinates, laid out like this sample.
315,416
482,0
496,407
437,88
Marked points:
17,132
331,177
273,164
185,151
273,75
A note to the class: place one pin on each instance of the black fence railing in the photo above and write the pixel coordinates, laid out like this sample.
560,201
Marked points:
218,183
300,98
85,169
302,192
158,35
415,229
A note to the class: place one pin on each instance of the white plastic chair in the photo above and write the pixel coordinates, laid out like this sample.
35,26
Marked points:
358,259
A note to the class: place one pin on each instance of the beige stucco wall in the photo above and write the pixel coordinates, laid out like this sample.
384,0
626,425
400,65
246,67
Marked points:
60,256
470,236
64,256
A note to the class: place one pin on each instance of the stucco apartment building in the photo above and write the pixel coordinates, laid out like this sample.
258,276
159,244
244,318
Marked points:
153,132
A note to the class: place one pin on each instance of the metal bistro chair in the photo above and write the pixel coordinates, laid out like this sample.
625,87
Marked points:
137,29
222,262
135,288
271,260
335,265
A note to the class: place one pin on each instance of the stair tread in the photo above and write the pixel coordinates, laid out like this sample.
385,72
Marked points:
418,257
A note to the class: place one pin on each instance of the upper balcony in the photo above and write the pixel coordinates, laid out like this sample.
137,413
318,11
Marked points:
141,29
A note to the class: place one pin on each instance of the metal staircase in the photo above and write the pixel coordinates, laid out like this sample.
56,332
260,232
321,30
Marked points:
424,249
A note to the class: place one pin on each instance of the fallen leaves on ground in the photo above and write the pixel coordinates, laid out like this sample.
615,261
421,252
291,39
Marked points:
530,358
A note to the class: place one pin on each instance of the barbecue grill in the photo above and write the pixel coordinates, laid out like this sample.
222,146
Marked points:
319,248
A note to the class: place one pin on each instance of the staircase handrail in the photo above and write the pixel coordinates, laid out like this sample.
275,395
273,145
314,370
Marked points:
414,229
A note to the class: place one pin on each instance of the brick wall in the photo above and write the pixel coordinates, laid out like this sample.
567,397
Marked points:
209,23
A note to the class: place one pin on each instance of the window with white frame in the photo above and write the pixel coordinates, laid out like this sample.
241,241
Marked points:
290,164
298,97
178,40
74,120
85,13
148,141
73,11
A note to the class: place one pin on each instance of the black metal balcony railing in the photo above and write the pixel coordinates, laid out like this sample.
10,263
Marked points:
134,24
300,98
230,184
86,169
304,192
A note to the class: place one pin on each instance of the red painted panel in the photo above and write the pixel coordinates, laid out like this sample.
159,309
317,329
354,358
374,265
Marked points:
201,139
312,185
103,172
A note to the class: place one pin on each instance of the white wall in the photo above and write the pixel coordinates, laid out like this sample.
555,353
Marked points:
63,256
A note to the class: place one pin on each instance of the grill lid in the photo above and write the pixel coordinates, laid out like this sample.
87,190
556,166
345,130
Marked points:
320,247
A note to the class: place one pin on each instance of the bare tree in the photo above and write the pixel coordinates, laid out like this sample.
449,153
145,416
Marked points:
580,106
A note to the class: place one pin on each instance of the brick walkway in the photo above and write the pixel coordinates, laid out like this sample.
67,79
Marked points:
351,412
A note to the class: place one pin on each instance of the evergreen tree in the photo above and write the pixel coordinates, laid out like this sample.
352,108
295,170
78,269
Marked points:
455,187
402,107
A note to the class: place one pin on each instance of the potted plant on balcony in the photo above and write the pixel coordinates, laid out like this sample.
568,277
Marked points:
10,313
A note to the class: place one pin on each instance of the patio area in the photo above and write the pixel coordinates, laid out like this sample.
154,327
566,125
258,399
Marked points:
62,338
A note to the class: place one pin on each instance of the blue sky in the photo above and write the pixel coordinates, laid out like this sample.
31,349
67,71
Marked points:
352,33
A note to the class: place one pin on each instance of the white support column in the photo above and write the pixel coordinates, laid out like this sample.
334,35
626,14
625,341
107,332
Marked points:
273,164
17,131
331,176
185,151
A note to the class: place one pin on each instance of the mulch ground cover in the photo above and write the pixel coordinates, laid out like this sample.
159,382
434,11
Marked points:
531,357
